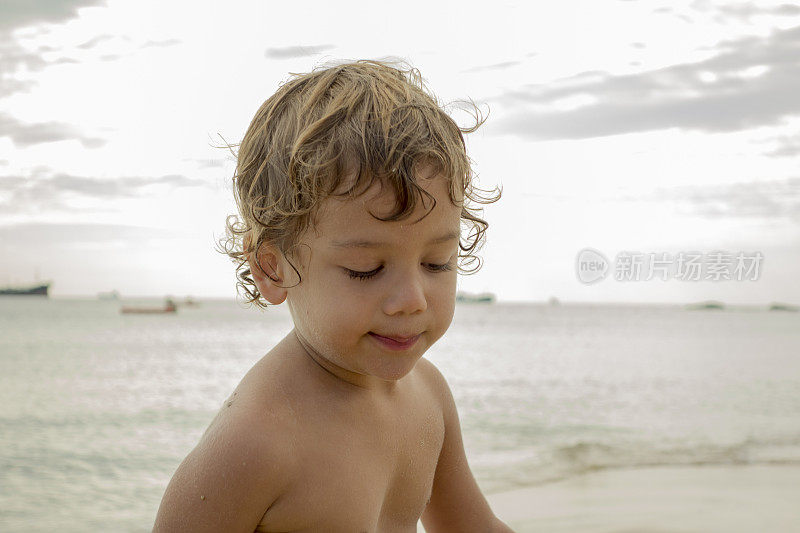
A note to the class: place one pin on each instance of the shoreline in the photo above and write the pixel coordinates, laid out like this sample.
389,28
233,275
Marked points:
662,499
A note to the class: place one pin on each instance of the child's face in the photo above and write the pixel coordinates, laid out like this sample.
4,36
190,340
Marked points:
406,287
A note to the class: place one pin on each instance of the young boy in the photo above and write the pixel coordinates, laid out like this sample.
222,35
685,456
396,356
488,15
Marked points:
352,185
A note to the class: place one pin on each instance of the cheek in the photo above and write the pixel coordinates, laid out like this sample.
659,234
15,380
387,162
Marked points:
449,283
450,306
446,297
342,305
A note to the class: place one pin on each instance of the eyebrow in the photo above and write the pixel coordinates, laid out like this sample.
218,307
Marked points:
360,243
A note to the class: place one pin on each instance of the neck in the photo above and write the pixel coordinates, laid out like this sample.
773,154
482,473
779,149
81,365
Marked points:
342,377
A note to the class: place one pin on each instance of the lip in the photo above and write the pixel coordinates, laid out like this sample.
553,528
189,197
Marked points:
396,343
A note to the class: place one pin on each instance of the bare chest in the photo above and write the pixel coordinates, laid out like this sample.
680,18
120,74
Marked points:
375,475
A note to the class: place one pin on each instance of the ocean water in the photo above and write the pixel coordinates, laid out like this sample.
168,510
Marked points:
97,409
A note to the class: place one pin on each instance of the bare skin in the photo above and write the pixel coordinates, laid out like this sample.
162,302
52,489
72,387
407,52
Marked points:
357,463
332,431
363,463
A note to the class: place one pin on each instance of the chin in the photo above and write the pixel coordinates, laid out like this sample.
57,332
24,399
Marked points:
396,370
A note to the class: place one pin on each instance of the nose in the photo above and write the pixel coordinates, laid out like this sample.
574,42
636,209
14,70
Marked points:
406,294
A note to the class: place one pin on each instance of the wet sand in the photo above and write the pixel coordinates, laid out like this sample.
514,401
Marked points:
763,498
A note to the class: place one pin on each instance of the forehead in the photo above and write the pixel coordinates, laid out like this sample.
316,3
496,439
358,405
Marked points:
338,217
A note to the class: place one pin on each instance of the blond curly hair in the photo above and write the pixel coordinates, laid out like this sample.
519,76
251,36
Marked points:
375,120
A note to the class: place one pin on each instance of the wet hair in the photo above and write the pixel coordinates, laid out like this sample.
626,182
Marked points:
333,132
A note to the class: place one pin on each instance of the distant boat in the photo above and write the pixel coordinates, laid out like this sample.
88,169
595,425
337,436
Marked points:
706,305
553,301
169,307
111,295
783,307
34,290
482,298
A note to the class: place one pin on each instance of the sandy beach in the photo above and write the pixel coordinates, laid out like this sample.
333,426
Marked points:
731,499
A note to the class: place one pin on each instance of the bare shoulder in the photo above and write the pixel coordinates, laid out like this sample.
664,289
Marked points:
241,466
434,381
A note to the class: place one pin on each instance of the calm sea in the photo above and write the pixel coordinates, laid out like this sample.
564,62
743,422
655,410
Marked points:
97,409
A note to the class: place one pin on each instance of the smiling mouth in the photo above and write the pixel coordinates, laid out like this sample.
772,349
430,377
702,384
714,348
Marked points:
401,340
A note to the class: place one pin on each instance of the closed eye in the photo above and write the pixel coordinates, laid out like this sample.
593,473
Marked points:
363,276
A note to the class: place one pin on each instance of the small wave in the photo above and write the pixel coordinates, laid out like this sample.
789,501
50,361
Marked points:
547,465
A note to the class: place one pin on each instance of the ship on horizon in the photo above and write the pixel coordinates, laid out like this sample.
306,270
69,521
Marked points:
483,298
38,289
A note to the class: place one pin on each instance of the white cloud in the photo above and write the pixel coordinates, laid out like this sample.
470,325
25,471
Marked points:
679,96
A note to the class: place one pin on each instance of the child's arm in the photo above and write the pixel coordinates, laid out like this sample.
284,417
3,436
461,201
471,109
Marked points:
228,481
456,503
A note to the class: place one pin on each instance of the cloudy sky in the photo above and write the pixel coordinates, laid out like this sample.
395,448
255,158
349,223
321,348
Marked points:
622,126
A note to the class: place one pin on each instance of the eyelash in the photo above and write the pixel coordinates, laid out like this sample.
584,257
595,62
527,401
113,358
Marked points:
363,276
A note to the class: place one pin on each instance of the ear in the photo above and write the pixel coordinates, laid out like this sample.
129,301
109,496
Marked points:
269,273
